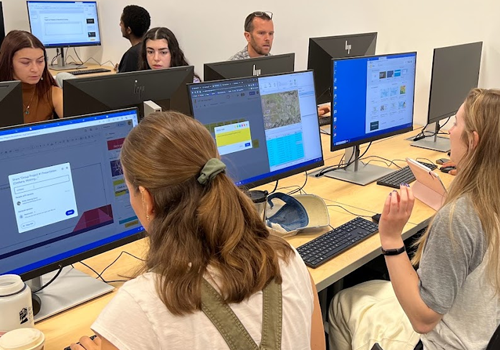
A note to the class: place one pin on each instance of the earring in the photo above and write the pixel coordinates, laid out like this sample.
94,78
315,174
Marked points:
147,217
41,78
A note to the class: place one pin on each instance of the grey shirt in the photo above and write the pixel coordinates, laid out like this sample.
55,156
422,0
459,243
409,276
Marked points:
242,55
453,281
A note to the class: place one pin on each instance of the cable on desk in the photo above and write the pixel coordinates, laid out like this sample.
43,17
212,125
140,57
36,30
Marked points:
422,134
384,160
300,188
294,187
343,166
350,212
275,187
426,159
99,275
51,280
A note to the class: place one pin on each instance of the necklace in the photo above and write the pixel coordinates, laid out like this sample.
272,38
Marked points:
27,109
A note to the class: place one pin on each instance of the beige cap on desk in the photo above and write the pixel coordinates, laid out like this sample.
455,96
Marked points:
22,339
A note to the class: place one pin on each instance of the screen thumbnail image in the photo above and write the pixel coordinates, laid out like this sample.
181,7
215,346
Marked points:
281,109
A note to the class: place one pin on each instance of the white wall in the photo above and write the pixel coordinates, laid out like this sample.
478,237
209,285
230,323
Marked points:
212,30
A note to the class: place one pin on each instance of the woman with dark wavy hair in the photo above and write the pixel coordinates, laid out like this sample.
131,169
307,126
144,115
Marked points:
23,57
160,50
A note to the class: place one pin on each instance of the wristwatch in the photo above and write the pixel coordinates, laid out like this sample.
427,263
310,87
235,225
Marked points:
393,251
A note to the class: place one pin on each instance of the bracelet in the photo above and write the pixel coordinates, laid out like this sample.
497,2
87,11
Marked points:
393,251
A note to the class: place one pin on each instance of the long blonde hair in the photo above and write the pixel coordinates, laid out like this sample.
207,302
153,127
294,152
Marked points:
195,226
478,177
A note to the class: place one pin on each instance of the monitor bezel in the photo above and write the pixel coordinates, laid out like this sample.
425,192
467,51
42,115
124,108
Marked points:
316,43
449,114
380,136
92,252
148,72
15,87
54,46
254,60
281,175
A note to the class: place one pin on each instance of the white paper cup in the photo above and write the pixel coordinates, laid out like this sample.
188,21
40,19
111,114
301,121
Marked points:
23,339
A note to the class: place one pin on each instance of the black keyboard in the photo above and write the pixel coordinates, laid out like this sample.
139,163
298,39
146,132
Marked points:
325,120
401,176
89,71
330,244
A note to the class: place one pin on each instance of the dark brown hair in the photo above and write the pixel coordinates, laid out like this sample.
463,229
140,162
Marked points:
177,58
195,226
15,41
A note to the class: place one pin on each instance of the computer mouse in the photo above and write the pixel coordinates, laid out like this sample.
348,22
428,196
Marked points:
447,169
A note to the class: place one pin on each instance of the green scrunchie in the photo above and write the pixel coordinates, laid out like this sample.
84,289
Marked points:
212,168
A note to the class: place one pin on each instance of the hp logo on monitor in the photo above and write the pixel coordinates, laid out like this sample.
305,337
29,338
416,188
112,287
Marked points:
256,72
348,47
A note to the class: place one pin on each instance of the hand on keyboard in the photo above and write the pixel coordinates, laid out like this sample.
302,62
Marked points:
86,343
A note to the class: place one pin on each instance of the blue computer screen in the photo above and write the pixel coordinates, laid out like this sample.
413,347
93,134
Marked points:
62,189
372,97
265,127
64,23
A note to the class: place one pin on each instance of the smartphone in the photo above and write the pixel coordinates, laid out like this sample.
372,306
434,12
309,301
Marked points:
442,161
376,347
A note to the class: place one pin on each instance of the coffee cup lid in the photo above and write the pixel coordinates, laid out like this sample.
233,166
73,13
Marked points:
21,339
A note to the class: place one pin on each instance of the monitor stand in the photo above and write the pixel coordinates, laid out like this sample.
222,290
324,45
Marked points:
69,289
358,172
436,143
61,65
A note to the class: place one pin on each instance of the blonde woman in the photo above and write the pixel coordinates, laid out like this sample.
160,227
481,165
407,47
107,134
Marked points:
214,278
452,300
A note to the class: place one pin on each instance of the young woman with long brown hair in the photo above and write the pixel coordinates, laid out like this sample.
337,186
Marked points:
23,57
453,299
206,241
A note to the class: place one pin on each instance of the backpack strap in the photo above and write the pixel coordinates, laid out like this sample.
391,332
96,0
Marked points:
231,328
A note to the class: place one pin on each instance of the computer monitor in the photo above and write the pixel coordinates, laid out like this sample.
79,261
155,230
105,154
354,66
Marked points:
249,67
322,50
165,87
61,24
266,128
372,99
455,71
63,198
11,103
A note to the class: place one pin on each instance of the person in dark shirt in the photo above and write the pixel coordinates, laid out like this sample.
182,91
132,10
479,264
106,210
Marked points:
134,23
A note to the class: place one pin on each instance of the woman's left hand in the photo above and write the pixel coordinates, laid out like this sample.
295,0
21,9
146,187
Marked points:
397,210
87,344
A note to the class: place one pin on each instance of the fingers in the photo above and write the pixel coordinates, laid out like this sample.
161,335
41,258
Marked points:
453,172
89,344
387,206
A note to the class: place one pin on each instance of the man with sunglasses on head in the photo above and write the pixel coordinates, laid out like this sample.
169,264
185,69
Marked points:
259,32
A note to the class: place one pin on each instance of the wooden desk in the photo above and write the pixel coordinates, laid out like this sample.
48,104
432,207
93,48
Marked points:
87,66
62,329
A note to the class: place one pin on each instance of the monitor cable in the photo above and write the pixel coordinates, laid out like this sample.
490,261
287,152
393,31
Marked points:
99,275
422,134
49,282
350,212
275,187
300,188
340,165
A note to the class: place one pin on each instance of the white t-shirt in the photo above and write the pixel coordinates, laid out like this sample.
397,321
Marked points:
137,319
